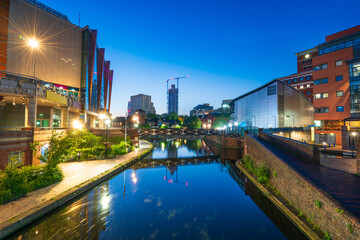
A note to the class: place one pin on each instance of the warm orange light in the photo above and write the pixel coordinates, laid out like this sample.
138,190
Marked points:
33,43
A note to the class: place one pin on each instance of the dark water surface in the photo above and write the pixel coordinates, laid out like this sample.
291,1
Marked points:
188,198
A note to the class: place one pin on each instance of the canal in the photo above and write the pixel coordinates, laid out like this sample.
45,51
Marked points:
180,191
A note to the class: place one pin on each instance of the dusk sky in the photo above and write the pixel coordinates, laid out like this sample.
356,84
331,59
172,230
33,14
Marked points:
226,47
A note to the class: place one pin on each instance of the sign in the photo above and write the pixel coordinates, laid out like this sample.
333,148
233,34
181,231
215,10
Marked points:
56,97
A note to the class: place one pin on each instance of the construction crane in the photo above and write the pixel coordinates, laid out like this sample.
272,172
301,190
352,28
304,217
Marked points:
177,83
167,91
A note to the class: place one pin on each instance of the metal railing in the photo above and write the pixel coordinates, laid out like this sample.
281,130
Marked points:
48,9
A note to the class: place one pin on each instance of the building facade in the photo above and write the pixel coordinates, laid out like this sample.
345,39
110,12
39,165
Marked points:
51,73
173,99
143,102
336,83
201,110
273,105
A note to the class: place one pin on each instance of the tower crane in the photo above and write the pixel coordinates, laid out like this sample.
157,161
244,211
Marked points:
177,83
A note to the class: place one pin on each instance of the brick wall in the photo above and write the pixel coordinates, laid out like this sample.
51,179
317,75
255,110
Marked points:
303,194
225,142
11,141
299,149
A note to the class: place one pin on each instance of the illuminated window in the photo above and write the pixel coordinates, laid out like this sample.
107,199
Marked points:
338,63
308,85
301,87
321,95
339,93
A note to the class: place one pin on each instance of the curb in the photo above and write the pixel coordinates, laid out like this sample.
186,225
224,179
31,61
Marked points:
291,216
18,222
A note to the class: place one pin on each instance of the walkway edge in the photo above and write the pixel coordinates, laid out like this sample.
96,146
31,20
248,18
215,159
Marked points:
291,216
18,222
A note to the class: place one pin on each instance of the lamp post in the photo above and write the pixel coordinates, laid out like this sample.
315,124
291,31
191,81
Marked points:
107,122
34,44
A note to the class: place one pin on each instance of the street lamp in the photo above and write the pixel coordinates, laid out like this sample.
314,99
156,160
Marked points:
34,44
107,122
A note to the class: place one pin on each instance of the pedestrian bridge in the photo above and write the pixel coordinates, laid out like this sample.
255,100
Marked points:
172,131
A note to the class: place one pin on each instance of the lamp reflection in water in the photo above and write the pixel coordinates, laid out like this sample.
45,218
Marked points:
133,177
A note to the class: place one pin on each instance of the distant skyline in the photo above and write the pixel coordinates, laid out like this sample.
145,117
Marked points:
226,47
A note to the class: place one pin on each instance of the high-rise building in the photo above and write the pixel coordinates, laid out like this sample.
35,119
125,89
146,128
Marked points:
143,102
173,99
51,73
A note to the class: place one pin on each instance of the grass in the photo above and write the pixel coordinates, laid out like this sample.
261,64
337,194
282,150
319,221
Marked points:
16,182
350,228
318,203
262,172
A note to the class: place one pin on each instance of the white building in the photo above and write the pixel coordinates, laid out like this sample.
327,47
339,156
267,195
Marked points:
273,105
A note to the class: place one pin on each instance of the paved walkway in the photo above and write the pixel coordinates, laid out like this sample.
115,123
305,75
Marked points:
75,173
343,187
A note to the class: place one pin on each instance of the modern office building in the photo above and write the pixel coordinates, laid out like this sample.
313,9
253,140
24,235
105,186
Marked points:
173,99
51,73
273,105
141,101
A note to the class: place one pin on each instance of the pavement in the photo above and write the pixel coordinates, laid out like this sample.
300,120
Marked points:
343,187
75,174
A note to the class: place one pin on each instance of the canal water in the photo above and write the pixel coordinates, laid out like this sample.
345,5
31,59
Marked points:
180,191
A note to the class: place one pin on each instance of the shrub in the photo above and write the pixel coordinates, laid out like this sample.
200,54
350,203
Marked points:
318,203
262,172
119,149
18,181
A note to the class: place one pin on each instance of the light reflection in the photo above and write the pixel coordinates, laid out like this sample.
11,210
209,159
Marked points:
105,201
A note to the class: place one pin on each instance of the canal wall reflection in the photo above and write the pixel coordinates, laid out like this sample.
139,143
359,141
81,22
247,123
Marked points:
271,211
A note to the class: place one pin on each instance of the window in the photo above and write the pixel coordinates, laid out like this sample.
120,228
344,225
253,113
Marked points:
339,93
319,67
307,67
338,63
320,81
301,79
307,77
295,79
308,93
321,110
308,85
340,109
321,95
301,87
271,90
339,78
289,81
309,99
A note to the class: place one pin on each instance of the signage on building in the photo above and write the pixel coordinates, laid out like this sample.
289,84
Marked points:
56,97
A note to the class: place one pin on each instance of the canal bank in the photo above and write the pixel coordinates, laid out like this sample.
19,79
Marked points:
79,177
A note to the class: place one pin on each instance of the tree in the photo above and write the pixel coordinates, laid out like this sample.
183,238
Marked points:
192,122
223,119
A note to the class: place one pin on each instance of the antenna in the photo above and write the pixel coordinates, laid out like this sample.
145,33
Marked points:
79,19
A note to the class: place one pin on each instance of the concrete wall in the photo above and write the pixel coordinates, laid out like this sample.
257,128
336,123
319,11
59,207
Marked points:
303,194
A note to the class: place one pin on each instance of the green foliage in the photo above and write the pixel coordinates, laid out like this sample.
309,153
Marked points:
350,228
339,210
119,149
327,236
192,122
300,214
145,126
318,203
18,181
163,126
275,173
262,172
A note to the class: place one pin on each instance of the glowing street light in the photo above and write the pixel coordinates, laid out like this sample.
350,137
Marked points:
77,124
34,44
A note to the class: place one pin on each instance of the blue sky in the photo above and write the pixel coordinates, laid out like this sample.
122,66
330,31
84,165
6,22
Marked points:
227,47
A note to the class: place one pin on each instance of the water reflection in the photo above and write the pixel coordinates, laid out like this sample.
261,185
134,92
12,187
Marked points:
193,199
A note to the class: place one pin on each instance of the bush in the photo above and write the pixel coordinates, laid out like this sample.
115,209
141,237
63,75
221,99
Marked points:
262,173
18,181
119,149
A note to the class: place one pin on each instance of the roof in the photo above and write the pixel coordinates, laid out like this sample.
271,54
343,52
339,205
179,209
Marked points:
265,85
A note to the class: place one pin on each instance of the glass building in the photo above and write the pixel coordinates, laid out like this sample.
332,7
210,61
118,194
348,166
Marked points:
273,105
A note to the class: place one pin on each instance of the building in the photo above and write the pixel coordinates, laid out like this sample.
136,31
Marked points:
143,102
273,105
336,84
173,99
50,75
138,117
201,110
